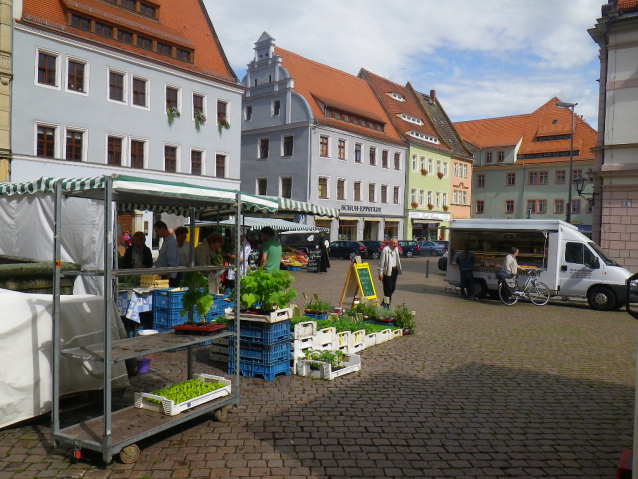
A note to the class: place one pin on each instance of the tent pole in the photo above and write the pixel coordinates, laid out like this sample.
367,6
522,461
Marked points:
55,406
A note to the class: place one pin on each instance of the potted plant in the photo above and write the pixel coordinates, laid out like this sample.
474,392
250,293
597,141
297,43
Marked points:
446,207
403,318
197,295
171,114
328,364
200,119
414,205
424,172
383,315
265,292
440,175
222,122
318,310
430,206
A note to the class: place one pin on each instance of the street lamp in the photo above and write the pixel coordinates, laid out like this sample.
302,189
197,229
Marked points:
562,104
579,182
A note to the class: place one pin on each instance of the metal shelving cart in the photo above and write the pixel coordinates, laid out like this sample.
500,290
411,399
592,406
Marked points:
116,432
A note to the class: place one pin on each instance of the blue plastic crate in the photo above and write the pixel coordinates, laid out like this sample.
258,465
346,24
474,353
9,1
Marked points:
251,369
316,317
171,317
217,310
167,299
293,268
263,333
261,354
162,328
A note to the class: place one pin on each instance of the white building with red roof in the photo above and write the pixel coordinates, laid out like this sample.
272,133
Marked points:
314,133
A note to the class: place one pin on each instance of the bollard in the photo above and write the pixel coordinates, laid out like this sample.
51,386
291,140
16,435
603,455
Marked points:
427,269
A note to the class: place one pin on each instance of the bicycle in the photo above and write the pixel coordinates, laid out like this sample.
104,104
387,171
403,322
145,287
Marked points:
536,291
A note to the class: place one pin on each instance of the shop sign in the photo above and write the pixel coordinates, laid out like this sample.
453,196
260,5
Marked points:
361,208
426,215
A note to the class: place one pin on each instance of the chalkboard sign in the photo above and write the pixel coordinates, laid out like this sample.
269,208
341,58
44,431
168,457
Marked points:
364,278
314,261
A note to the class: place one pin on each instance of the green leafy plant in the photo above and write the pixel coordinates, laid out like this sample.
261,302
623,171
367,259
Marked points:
171,114
334,358
382,313
317,307
266,291
200,119
197,295
222,122
186,390
403,317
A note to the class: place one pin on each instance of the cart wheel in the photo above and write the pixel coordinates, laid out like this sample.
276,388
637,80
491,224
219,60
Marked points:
130,454
221,415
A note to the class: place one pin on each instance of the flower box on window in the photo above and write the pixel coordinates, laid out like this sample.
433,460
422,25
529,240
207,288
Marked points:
446,207
424,172
440,175
430,206
414,205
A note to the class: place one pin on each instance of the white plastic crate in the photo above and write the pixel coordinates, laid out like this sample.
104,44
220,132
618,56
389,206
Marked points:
371,339
346,349
169,407
352,364
383,336
304,330
302,344
325,336
396,333
357,348
273,317
343,338
358,337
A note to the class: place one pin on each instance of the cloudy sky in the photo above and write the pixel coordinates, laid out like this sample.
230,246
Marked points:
484,58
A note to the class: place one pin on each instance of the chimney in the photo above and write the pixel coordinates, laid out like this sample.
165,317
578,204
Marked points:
433,95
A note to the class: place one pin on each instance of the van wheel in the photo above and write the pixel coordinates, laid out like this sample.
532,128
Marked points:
480,288
409,254
442,263
601,298
375,255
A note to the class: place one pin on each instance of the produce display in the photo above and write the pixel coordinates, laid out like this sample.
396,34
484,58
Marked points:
293,257
182,392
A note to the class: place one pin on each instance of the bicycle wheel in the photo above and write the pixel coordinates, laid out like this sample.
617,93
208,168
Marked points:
507,300
538,293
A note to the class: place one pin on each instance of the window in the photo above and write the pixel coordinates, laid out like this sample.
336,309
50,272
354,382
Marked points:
341,149
480,181
429,197
196,162
286,187
560,177
137,153
147,10
45,147
172,98
170,158
464,171
125,37
323,187
116,86
357,191
163,49
264,144
287,145
384,159
488,157
397,160
430,165
456,169
80,22
422,197
509,206
590,207
113,150
413,193
75,76
139,92
341,189
357,153
104,30
372,192
222,111
276,107
183,55
576,207
438,167
531,206
414,162
47,69
532,177
130,4
541,206
437,198
445,167
262,186
500,156
384,193
444,199
323,146
559,207
542,177
74,145
373,156
480,207
249,112
510,179
396,195
220,166
578,253
198,104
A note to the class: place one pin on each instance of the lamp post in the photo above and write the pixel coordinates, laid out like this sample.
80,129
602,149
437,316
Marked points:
568,215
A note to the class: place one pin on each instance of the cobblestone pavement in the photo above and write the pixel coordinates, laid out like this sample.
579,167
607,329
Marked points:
480,390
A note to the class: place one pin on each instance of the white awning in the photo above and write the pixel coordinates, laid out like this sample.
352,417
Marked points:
275,223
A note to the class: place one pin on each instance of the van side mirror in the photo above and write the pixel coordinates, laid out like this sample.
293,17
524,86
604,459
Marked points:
596,264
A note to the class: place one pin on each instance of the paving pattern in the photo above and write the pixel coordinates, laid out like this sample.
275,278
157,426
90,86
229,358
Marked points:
481,390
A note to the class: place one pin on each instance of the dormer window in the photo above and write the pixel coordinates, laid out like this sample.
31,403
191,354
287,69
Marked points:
421,136
396,96
411,119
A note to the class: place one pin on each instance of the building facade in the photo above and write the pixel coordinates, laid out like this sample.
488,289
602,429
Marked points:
521,165
616,162
6,76
122,87
316,134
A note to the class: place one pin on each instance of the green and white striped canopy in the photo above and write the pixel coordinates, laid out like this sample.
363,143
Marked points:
286,204
278,224
134,193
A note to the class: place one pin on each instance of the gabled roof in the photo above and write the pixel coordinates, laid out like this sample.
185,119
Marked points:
383,89
319,83
548,120
183,23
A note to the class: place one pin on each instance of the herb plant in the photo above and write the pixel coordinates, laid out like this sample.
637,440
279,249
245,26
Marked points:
197,295
267,291
334,358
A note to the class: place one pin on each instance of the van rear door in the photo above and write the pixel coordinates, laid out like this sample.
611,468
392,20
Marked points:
579,268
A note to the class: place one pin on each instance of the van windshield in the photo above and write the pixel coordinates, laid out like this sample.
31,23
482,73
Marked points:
603,256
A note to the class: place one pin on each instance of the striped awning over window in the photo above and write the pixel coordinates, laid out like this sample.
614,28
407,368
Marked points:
277,224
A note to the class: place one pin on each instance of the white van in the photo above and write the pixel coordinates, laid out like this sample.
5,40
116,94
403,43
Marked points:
571,265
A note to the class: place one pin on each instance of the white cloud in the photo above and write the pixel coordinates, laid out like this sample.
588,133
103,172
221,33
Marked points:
533,49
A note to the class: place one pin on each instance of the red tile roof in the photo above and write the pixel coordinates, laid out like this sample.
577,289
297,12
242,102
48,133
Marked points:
320,83
183,23
627,5
545,121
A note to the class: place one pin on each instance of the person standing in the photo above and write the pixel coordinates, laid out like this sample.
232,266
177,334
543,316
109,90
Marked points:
389,269
466,260
168,255
183,247
510,265
270,250
207,252
231,275
138,255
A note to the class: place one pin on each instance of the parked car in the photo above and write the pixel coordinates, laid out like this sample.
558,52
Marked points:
444,243
432,248
374,248
305,241
386,243
410,248
347,249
